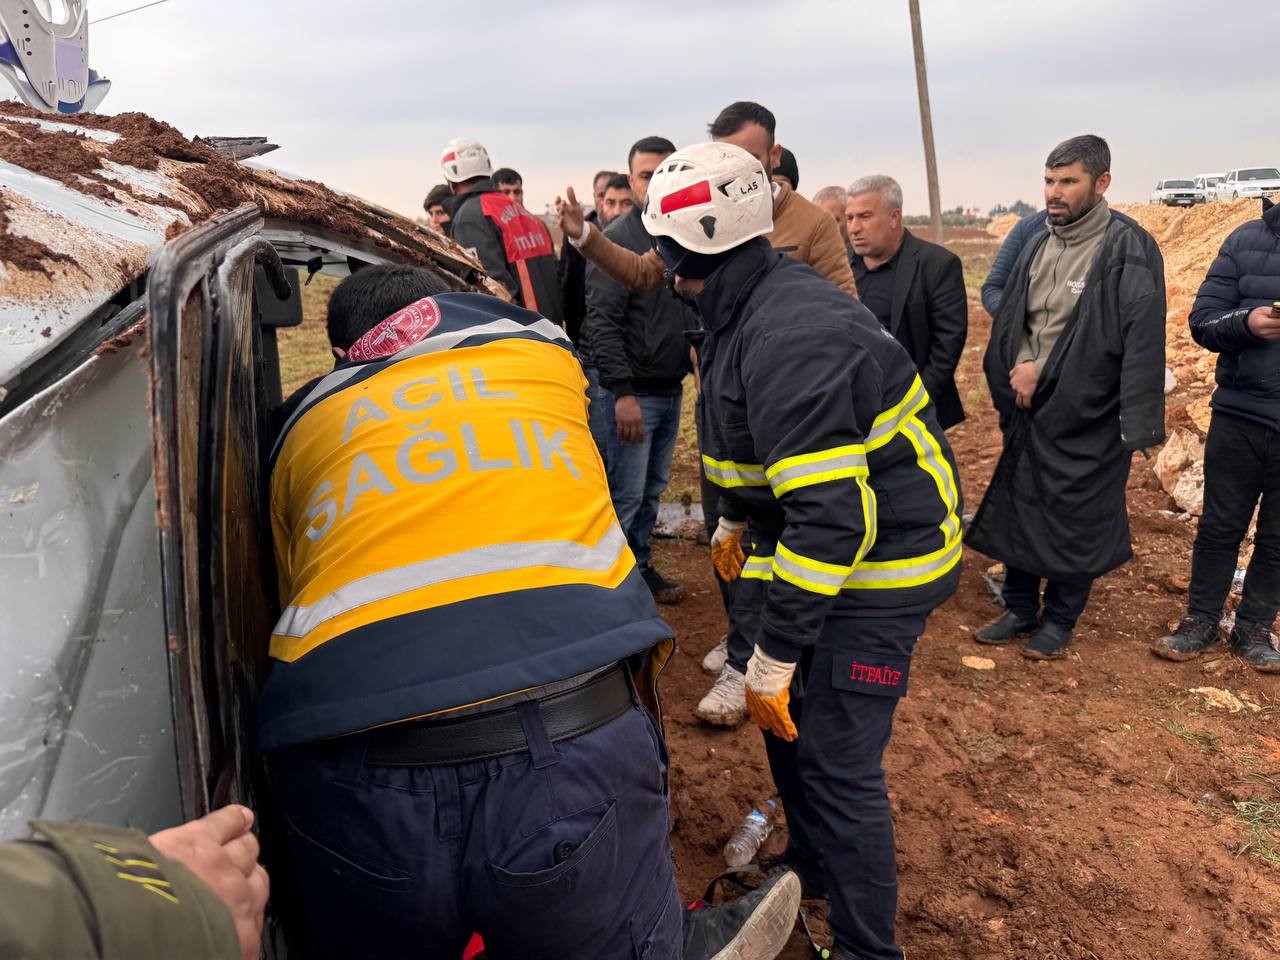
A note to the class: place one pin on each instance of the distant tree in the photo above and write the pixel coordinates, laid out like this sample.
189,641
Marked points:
1020,207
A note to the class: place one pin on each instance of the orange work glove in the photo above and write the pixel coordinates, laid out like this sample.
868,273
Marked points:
726,549
769,694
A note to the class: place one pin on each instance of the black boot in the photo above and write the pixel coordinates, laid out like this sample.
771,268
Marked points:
1006,629
663,590
1253,642
1193,636
1049,643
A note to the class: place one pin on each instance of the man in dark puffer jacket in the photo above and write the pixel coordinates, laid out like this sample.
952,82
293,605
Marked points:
1235,315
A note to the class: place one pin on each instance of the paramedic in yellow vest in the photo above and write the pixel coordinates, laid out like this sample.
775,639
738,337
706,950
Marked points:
453,723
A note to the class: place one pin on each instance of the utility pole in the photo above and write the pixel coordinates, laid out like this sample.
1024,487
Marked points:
926,123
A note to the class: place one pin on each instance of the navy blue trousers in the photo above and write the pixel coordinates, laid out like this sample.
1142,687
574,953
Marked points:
831,781
558,853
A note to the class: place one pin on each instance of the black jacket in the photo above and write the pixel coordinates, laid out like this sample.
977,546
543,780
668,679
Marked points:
1245,275
571,270
930,318
1056,503
637,338
817,424
512,245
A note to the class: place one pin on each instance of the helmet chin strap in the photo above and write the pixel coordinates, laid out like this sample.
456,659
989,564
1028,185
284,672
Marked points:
669,278
687,264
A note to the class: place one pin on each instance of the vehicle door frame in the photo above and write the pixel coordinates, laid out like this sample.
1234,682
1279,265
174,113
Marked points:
193,263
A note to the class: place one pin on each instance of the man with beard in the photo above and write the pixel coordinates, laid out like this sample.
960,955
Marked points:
1076,371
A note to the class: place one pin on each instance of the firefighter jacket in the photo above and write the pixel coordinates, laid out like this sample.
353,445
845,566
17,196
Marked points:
513,246
818,427
443,529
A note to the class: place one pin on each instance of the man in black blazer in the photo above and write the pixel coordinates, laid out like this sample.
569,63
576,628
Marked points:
915,288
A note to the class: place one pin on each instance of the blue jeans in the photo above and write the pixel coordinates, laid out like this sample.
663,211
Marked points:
557,853
604,430
640,471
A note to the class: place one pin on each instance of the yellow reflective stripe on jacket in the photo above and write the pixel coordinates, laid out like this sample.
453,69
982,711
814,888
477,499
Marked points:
298,621
806,469
815,576
727,473
931,460
871,575
839,463
870,518
909,572
887,424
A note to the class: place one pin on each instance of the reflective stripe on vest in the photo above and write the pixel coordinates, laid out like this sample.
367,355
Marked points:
298,621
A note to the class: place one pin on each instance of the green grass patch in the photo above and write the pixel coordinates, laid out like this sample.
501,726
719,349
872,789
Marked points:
1260,818
1205,742
304,350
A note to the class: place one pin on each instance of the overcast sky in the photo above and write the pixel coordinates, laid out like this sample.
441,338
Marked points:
363,95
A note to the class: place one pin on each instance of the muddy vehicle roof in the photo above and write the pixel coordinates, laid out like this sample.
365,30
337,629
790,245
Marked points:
87,203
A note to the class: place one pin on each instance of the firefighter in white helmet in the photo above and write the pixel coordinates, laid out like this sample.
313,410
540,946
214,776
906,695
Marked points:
513,246
817,429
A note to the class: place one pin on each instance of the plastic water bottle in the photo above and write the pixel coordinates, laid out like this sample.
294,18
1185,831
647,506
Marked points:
746,840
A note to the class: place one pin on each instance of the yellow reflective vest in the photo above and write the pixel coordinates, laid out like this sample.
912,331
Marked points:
444,533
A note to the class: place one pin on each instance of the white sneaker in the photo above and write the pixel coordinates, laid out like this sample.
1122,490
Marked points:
725,704
716,657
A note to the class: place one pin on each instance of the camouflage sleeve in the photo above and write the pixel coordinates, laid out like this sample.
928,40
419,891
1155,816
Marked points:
76,890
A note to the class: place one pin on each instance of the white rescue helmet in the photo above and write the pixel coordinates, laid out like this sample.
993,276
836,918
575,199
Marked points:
464,159
709,198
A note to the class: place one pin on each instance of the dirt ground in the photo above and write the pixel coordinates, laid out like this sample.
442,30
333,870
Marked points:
1086,809
1092,808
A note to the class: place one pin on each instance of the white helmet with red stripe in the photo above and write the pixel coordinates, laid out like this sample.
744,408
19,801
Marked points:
464,159
709,198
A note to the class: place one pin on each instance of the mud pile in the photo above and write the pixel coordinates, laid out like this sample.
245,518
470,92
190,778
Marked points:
1000,226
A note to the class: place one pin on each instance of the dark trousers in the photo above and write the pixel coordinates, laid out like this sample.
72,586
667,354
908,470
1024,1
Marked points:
1241,464
557,853
1064,600
831,781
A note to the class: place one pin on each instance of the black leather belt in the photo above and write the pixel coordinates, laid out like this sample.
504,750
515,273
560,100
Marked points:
484,736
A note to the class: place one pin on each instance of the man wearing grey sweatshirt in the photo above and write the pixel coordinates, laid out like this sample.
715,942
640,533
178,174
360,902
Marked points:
1075,365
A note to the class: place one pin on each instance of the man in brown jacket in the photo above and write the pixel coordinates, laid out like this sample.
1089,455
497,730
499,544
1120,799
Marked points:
800,228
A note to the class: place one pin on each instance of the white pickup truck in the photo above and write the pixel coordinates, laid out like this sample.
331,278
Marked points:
1174,193
1249,182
